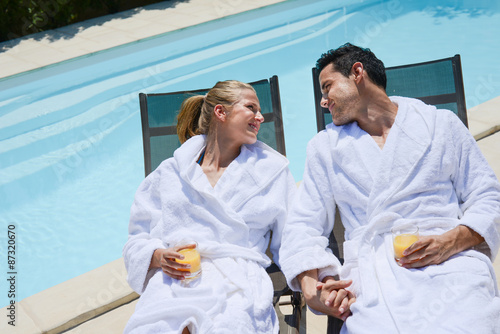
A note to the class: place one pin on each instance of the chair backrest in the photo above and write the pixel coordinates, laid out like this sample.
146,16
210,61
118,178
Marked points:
438,82
159,119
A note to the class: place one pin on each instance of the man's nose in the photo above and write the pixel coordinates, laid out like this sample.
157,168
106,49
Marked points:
324,102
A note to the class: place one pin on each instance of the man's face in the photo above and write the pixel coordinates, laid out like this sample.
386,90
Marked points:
340,95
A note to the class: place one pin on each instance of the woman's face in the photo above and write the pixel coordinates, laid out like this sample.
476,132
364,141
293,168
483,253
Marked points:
244,118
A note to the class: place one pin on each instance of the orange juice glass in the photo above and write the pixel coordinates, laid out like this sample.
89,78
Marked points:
402,238
192,257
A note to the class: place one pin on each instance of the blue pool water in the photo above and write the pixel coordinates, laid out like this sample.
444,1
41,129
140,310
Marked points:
70,137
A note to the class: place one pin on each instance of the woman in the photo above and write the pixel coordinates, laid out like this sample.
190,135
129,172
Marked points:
225,190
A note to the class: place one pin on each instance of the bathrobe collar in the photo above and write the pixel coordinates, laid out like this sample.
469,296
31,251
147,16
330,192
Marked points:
256,167
412,131
373,169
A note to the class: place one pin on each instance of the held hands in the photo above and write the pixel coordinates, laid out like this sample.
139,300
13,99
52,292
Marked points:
328,297
165,259
436,249
335,296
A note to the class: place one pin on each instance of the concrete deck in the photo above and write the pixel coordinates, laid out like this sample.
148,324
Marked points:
101,301
45,48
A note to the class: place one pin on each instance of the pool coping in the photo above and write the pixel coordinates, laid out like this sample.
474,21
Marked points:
484,119
75,301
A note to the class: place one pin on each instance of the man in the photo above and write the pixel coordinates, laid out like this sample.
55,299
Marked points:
387,162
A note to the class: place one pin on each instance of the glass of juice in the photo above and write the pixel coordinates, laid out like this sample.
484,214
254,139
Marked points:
402,238
192,257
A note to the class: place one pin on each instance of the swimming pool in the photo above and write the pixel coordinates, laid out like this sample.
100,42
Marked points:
70,137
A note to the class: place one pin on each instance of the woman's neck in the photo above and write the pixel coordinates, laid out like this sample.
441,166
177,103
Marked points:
218,155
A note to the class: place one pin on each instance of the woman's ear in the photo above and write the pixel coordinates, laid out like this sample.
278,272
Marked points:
220,112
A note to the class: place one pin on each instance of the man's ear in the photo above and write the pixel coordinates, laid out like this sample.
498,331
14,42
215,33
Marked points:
220,112
357,70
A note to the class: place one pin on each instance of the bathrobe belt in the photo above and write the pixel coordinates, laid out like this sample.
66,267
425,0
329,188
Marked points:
227,258
359,251
213,251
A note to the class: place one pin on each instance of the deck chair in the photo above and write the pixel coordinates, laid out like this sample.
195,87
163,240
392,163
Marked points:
438,82
158,118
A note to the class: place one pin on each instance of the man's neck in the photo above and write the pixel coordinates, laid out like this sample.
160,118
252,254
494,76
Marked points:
378,118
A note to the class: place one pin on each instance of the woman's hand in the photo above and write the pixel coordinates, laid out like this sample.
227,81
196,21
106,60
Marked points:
329,297
436,249
336,297
165,259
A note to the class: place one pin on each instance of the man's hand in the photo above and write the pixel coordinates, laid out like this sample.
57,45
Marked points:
329,297
435,249
336,297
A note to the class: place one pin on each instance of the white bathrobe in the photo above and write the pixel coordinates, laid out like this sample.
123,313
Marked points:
232,223
431,173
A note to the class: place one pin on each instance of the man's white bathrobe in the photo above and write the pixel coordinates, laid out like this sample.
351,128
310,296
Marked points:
430,173
231,222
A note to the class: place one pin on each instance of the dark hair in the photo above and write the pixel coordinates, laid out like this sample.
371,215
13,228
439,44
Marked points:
347,55
196,112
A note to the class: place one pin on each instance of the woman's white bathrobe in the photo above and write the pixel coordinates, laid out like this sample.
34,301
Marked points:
429,173
231,222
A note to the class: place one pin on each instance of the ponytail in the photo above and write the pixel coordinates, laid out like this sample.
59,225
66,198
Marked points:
188,118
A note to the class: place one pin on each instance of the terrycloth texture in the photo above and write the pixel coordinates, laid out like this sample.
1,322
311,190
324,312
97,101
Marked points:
231,222
430,173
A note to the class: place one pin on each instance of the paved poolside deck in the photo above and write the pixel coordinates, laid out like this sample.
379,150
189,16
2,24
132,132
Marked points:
105,32
101,301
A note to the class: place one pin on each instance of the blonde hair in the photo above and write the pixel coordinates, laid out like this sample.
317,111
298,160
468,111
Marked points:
195,116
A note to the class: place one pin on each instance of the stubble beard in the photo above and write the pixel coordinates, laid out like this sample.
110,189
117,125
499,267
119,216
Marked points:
340,118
